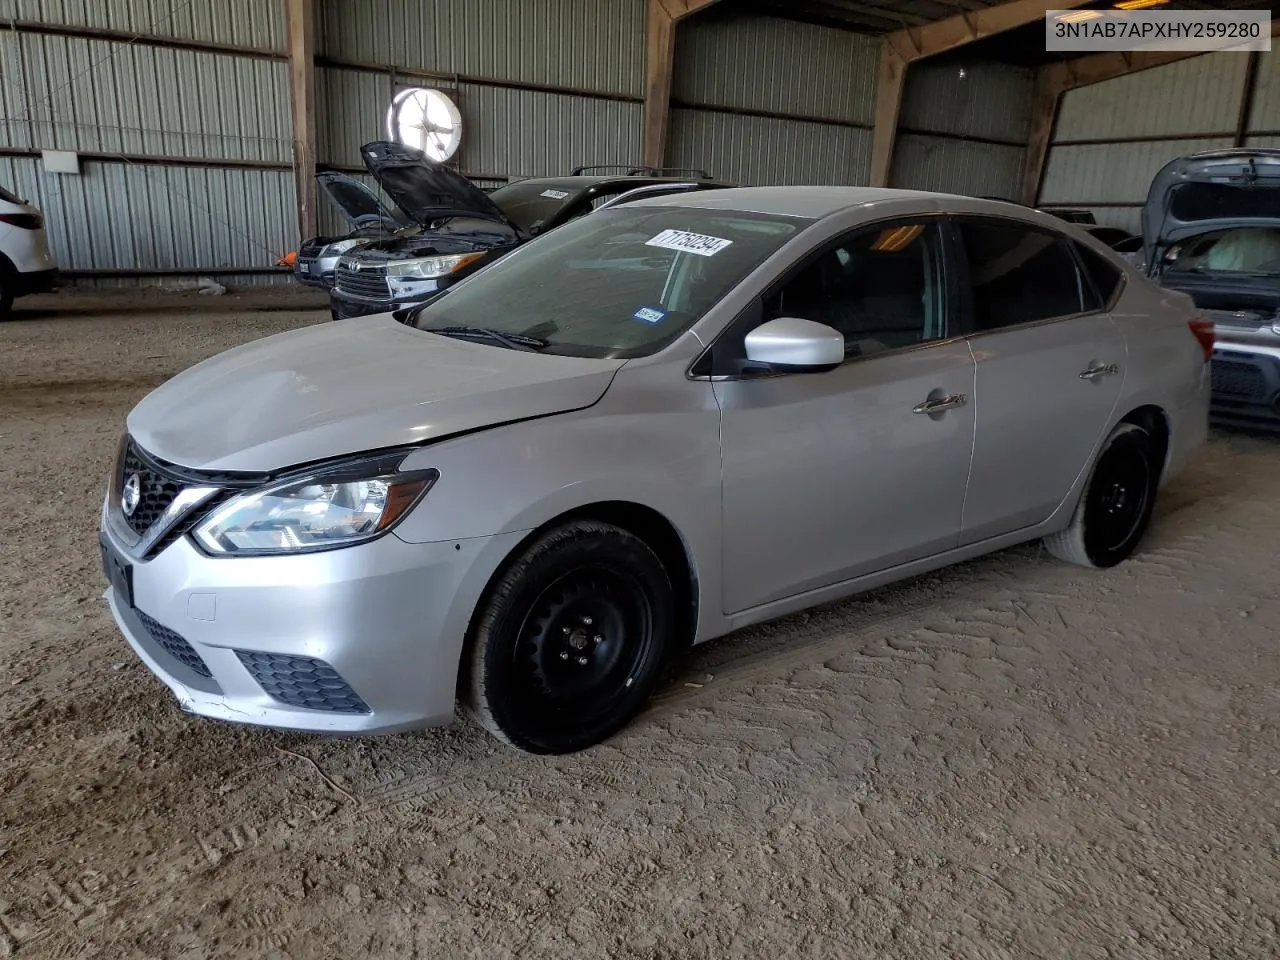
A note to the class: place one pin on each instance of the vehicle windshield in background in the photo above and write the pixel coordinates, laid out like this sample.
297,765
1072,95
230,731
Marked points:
531,203
618,284
1223,201
1246,250
8,197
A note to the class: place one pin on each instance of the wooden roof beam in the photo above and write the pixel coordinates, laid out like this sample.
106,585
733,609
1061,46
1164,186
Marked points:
1055,79
903,47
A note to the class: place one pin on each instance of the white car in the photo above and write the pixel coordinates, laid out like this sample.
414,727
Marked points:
26,265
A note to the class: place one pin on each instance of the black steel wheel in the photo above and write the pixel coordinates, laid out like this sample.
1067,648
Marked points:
570,639
1116,506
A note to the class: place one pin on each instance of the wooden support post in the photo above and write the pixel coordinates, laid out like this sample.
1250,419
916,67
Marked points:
890,80
661,17
659,61
1247,89
1044,114
300,23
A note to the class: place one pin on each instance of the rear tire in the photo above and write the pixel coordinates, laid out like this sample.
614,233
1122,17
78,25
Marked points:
6,294
1115,507
570,640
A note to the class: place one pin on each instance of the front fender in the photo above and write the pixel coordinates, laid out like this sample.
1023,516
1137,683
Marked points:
656,448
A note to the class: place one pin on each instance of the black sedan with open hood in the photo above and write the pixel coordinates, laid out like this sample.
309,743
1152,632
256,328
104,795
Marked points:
460,228
1211,229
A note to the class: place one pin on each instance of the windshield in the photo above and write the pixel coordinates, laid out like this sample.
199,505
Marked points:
6,195
617,284
1223,201
531,203
1252,250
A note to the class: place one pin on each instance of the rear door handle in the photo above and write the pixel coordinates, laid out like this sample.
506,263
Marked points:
940,404
1097,371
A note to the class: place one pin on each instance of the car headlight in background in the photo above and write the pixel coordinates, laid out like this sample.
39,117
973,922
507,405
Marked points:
429,268
339,247
338,507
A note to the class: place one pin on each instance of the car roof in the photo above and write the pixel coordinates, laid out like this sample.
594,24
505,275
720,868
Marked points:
815,203
582,181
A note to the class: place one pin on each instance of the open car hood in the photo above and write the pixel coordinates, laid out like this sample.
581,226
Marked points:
358,203
425,190
1219,190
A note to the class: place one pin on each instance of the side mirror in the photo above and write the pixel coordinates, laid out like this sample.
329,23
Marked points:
790,344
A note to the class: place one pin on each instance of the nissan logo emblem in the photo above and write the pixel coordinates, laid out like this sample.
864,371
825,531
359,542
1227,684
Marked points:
131,495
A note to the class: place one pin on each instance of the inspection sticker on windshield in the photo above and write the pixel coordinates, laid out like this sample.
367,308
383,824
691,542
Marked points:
554,194
685,242
650,314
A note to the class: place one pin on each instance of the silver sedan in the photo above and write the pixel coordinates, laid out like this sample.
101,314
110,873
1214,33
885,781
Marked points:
651,427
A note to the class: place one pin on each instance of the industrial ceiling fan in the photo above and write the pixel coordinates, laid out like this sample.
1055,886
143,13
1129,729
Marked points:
426,120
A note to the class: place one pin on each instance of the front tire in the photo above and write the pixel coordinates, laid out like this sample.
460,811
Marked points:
1115,508
570,640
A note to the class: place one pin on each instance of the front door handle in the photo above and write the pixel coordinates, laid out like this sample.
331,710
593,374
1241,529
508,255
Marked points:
1097,371
936,405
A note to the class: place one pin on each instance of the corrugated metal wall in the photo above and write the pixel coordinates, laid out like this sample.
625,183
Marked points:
761,100
240,23
1111,138
506,132
591,45
963,128
186,152
541,87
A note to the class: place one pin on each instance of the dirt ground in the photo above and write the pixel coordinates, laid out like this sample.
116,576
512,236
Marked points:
1013,758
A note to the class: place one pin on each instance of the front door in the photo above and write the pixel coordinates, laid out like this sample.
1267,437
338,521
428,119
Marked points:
1050,367
828,476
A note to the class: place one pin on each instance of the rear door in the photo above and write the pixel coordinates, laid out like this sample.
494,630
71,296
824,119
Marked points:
1050,365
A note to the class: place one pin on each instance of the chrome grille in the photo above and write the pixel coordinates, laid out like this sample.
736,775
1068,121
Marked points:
158,490
369,282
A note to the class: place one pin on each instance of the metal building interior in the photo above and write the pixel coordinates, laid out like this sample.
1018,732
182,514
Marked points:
172,107
1006,758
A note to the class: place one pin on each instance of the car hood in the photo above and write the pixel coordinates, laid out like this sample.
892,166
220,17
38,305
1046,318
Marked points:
358,204
425,190
348,387
1218,190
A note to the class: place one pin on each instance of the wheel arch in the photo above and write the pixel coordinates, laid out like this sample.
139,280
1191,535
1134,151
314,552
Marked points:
1155,421
644,522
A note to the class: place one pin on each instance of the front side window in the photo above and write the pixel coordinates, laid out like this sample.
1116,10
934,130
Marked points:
621,283
1019,274
882,288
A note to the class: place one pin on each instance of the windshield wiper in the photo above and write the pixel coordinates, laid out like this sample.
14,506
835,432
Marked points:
512,341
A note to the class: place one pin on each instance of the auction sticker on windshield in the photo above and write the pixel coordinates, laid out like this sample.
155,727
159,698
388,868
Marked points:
554,194
686,242
650,314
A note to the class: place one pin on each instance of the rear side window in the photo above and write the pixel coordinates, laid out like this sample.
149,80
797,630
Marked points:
1019,274
1104,277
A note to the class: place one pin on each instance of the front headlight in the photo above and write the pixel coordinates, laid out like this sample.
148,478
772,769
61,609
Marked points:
341,246
335,508
429,268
